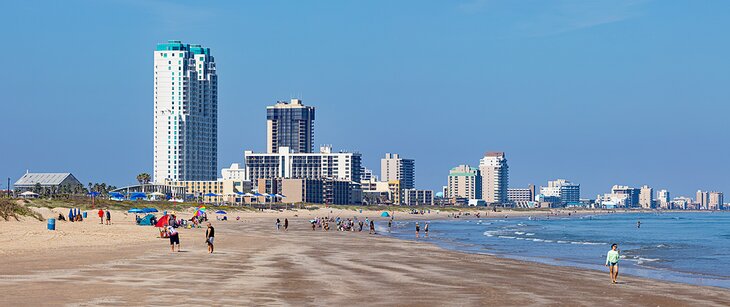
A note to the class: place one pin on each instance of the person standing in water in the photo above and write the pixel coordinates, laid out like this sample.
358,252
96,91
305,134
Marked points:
390,224
612,262
425,229
418,230
638,224
278,224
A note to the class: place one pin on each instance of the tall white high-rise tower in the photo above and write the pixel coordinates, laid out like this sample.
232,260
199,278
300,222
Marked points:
495,177
186,113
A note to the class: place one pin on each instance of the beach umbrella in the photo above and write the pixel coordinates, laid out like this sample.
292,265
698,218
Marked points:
280,195
135,210
149,210
70,213
162,221
221,212
199,211
94,194
249,195
211,194
257,194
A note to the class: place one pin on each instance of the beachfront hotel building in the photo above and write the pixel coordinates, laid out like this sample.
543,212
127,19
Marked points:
663,199
645,197
495,177
464,182
414,197
568,192
632,195
703,199
520,195
286,164
185,113
393,167
715,201
291,125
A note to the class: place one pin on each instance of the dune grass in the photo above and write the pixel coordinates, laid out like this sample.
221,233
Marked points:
13,209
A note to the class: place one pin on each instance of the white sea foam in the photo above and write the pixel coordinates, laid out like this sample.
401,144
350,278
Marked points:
529,234
562,242
519,233
506,237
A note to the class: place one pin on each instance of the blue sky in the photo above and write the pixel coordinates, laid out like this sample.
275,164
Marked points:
598,92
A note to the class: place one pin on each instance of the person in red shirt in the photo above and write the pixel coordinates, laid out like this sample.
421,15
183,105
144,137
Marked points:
101,216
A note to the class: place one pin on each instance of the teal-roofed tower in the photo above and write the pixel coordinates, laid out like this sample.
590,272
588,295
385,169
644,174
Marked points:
185,113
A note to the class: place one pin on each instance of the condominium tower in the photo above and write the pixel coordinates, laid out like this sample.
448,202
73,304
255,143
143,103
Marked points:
290,125
393,167
464,181
185,113
343,166
566,191
645,197
495,177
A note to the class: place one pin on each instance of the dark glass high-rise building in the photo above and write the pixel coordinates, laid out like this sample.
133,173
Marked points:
290,125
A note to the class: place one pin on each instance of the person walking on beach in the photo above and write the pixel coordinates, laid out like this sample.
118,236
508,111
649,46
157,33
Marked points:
425,229
174,238
372,227
101,216
612,262
278,224
108,217
418,230
286,224
209,237
390,224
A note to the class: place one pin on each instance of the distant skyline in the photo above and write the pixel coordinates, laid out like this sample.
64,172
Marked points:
596,92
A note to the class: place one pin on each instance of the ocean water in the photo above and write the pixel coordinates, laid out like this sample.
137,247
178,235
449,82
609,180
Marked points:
691,248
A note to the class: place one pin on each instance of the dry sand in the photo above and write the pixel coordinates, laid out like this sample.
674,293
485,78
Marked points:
123,264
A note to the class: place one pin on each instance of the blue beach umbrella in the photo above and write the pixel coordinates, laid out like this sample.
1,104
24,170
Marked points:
149,210
221,212
135,210
211,194
94,194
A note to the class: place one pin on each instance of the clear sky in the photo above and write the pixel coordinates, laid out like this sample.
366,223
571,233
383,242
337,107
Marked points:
597,92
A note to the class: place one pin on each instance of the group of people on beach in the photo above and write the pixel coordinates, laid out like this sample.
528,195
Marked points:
349,224
174,235
106,214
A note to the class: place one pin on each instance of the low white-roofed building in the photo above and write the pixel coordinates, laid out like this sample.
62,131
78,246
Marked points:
48,183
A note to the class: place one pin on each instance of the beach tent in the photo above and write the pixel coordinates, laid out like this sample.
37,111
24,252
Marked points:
28,194
146,221
385,214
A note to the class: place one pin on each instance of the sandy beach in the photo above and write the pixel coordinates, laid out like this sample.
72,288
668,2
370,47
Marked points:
86,263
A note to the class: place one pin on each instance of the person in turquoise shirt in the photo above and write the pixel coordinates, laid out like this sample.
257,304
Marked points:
612,262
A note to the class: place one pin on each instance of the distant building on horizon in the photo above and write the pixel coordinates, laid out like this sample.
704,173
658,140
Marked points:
716,200
48,183
344,166
702,200
393,167
663,199
645,197
632,195
185,113
515,195
495,177
290,125
568,192
464,181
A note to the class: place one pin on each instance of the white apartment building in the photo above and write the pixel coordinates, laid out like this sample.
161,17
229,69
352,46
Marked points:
663,199
185,113
568,192
234,172
464,181
285,164
495,177
393,167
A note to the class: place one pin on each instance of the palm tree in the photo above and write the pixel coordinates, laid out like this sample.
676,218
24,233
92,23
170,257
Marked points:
143,179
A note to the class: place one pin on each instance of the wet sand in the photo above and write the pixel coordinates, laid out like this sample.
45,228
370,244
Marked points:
255,265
